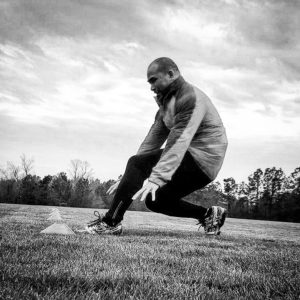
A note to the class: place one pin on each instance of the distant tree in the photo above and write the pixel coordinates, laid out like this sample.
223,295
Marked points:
95,198
28,193
230,186
60,189
44,195
273,181
215,185
290,202
26,164
296,179
242,189
11,171
10,182
255,190
80,169
267,195
80,193
230,191
14,171
3,173
9,190
244,202
241,208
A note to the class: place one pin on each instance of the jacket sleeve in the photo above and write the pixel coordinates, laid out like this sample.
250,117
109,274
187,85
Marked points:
156,136
189,115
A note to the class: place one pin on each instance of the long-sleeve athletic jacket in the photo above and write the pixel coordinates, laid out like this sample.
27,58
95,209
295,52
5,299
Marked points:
188,120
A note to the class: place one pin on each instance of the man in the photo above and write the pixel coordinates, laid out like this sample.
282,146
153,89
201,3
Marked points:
195,147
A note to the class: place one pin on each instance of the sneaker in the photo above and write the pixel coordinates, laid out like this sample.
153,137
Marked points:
103,228
100,227
213,220
90,225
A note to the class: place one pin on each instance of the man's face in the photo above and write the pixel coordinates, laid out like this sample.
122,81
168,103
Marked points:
158,80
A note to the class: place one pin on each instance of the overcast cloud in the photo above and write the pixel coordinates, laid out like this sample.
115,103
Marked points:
73,78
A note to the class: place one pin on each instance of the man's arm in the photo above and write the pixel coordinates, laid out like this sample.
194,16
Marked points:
189,115
156,136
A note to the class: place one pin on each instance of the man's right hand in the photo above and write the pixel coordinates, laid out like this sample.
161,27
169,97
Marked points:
113,188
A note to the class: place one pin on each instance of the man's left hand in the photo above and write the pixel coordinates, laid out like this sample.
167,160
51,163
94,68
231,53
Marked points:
149,187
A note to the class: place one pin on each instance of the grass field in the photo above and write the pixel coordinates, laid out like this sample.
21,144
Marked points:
157,257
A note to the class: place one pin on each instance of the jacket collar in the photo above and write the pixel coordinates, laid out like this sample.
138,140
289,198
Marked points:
170,91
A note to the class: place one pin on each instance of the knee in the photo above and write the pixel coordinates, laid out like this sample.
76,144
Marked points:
133,160
157,205
152,205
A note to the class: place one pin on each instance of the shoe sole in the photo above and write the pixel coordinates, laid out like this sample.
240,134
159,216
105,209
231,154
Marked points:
89,230
117,231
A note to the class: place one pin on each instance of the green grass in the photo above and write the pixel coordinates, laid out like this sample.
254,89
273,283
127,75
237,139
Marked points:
158,257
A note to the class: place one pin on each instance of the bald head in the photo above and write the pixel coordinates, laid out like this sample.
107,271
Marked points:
164,65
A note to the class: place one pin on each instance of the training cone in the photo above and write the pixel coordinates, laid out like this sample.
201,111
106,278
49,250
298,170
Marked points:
58,229
54,213
55,218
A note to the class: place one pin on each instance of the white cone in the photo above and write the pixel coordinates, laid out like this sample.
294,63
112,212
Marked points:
55,213
55,218
58,229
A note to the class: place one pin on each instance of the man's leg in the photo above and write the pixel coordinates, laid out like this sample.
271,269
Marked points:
168,200
138,169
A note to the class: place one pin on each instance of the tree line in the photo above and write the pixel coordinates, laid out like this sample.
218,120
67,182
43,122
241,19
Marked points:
267,195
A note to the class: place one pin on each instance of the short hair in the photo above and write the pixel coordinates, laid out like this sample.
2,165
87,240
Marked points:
165,64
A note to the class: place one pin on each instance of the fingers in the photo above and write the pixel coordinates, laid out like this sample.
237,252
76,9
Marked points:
113,188
109,190
153,195
146,192
138,193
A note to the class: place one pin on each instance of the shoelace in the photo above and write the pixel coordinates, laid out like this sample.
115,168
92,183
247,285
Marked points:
201,223
97,214
96,221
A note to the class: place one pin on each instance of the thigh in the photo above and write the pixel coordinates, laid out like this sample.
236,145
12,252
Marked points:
187,178
141,165
146,161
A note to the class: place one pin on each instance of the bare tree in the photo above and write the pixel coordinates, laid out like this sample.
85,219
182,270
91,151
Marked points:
80,169
26,164
74,170
11,171
4,173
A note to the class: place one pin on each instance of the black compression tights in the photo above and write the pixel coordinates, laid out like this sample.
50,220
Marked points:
187,178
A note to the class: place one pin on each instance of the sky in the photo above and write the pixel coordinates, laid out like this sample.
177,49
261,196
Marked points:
73,78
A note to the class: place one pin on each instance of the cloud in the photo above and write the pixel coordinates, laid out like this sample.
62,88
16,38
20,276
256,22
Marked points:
73,67
109,20
231,53
274,24
71,82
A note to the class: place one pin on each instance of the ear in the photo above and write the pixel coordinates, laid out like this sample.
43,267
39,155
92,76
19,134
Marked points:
171,73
